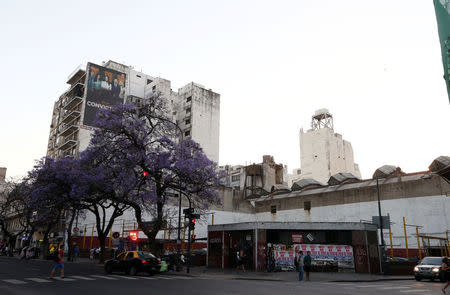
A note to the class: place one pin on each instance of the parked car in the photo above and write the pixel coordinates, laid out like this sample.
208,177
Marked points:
396,259
429,268
133,262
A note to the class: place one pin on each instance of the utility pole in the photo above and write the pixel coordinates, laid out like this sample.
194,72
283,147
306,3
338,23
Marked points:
383,254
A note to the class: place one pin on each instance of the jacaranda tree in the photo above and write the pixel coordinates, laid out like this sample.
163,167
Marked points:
132,139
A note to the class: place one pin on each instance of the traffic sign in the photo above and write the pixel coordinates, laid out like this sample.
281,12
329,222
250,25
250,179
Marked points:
116,235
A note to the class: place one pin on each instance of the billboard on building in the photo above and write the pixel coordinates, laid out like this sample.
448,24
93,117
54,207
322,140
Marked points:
105,88
442,8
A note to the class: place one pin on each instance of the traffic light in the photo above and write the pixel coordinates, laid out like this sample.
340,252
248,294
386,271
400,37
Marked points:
133,235
193,237
145,174
192,224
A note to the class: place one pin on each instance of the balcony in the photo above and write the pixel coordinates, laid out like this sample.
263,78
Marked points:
67,129
76,74
73,96
69,142
70,115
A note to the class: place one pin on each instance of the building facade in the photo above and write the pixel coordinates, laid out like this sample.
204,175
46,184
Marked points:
195,108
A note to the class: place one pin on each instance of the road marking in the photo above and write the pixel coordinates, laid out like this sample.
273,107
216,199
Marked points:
38,280
182,278
414,291
103,277
148,278
124,277
65,279
83,278
15,282
165,278
394,288
367,286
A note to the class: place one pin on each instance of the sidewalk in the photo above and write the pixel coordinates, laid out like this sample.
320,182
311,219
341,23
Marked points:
287,276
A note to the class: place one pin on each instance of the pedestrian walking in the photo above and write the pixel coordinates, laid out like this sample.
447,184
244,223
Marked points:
76,252
299,257
270,260
446,269
241,260
58,263
307,264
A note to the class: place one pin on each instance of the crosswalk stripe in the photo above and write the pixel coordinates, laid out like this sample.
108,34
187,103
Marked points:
15,282
366,286
103,277
65,279
149,278
394,288
83,278
414,291
182,278
124,277
165,278
38,280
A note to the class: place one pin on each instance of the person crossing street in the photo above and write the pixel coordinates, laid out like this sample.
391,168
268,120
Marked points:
58,263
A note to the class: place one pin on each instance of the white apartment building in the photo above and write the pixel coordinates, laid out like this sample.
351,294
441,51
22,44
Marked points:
195,108
323,153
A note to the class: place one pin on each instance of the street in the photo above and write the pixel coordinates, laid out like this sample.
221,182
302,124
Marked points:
31,277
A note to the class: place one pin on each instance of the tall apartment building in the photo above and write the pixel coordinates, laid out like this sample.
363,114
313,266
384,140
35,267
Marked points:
323,153
195,108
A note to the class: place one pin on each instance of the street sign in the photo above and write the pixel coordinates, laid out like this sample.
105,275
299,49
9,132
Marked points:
116,235
76,230
384,219
310,237
297,238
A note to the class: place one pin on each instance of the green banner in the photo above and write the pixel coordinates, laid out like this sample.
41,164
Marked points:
442,8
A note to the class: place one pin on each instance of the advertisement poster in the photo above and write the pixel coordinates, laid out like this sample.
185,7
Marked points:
284,260
342,254
105,88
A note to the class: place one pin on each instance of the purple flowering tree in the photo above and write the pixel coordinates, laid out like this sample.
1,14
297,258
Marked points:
131,140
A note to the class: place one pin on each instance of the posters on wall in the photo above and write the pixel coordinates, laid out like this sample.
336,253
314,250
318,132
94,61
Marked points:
342,255
105,88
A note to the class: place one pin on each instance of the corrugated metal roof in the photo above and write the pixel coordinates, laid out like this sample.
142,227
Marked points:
346,186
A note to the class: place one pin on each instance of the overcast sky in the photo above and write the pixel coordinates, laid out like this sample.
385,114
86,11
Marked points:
376,65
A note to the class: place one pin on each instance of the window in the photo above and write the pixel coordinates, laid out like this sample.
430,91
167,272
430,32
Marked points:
235,177
188,110
154,88
130,256
273,209
189,99
138,76
187,133
149,81
307,205
188,121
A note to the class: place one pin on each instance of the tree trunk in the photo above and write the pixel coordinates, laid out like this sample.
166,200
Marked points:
102,240
69,237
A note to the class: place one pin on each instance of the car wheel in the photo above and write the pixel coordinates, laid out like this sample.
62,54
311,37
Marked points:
108,269
418,278
133,271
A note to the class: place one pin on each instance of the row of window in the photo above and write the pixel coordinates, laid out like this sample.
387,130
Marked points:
306,206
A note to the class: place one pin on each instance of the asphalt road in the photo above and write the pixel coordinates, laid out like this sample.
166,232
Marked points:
31,278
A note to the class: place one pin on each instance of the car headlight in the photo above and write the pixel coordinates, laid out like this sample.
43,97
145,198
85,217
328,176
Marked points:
436,269
416,268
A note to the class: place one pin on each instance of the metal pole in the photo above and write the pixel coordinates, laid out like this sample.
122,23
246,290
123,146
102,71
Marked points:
406,238
92,236
390,240
418,243
84,235
383,252
179,230
189,245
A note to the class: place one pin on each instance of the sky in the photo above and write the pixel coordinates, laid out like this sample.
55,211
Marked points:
376,66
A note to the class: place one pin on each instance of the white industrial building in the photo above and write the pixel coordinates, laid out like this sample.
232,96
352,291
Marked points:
323,152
